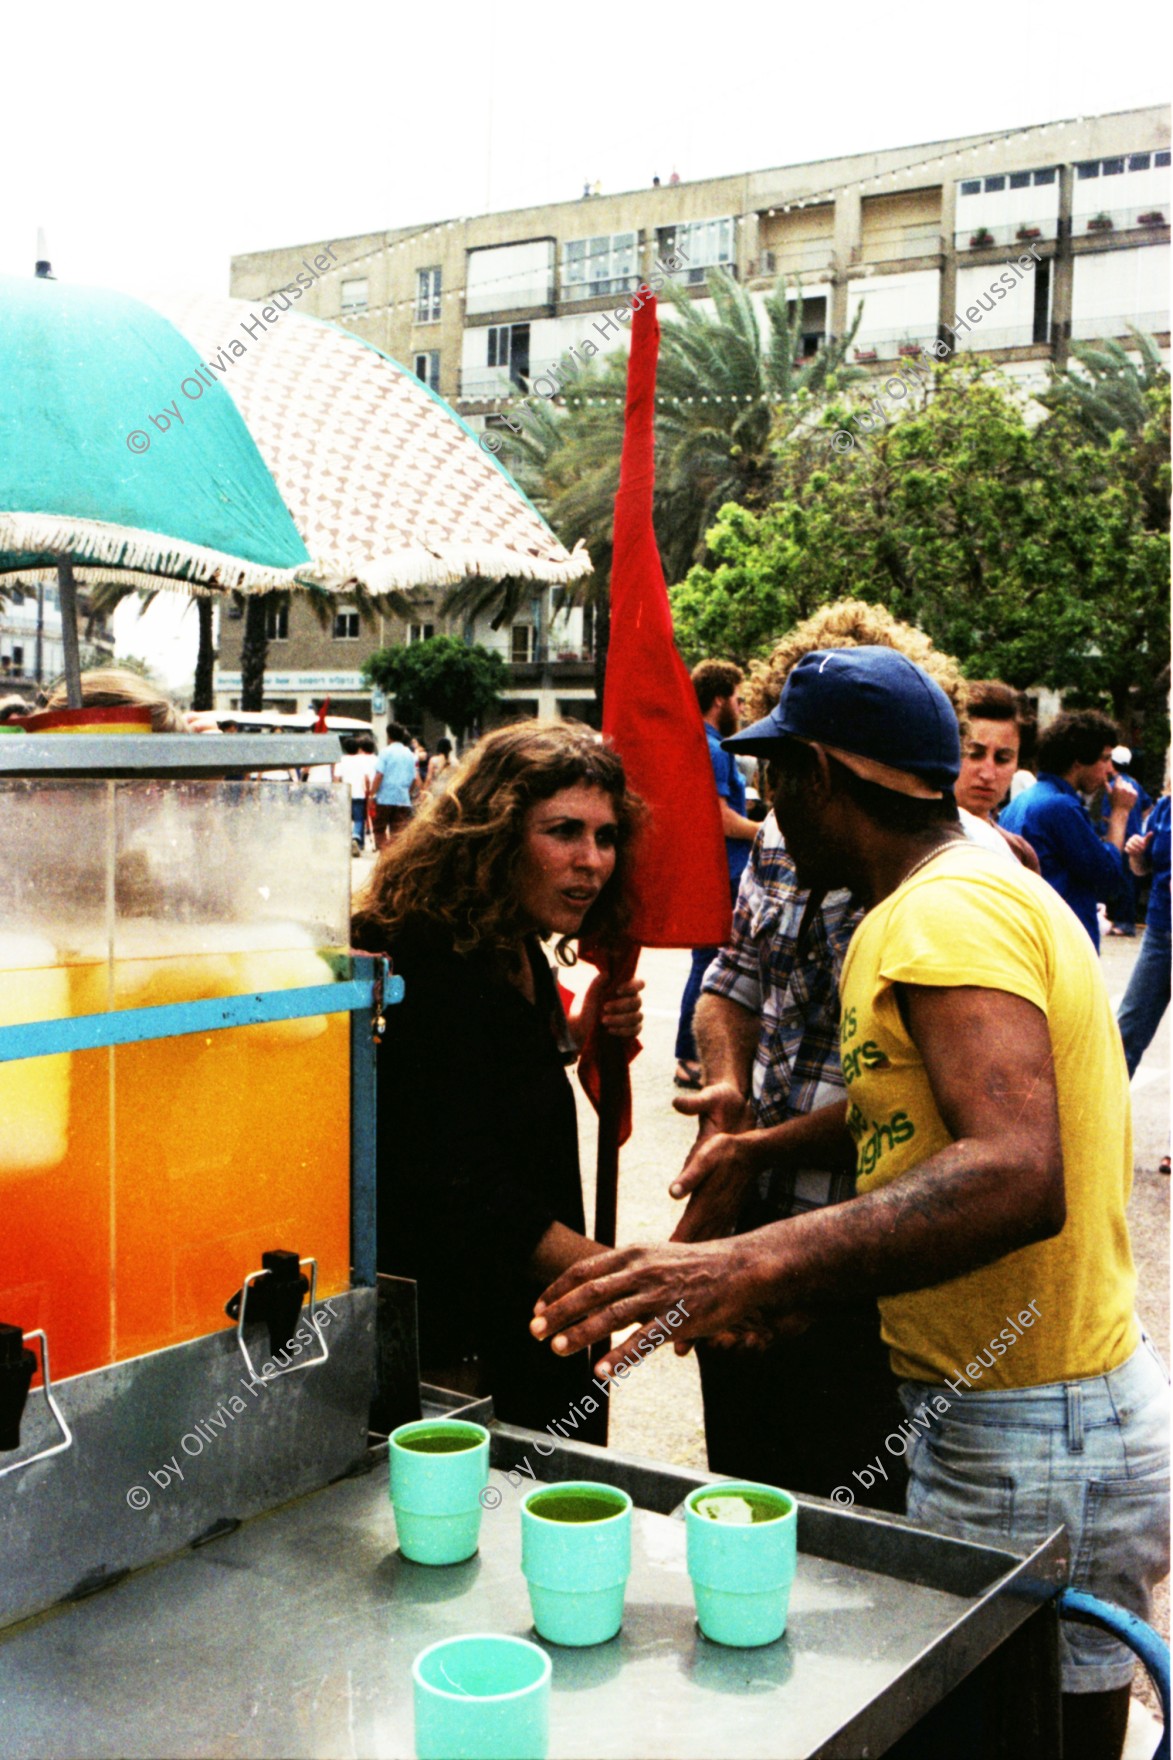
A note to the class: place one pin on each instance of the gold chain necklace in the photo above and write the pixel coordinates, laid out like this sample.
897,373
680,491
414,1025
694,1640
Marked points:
931,856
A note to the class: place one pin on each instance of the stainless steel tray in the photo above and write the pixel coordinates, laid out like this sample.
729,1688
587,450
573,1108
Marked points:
294,1636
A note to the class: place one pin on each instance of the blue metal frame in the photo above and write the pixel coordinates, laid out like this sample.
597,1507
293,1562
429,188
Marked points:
129,1026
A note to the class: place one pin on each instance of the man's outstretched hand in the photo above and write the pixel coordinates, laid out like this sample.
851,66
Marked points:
710,1284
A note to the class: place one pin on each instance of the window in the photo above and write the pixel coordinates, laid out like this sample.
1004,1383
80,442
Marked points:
18,657
508,346
1112,167
427,296
972,186
1047,176
705,243
1089,168
521,643
420,632
276,623
1160,159
1020,180
427,369
354,295
993,183
1139,161
346,624
597,267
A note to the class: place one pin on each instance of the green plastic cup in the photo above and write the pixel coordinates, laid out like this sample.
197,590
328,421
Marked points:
576,1559
439,1467
742,1543
482,1697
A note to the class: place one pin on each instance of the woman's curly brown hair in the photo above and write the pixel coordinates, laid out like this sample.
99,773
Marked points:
454,868
849,623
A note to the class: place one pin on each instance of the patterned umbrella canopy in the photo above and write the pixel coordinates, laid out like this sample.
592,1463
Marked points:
216,444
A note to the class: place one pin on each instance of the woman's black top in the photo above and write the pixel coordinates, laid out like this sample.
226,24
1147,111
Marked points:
477,1156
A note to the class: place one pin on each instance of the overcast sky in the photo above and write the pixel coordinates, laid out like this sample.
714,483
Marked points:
153,141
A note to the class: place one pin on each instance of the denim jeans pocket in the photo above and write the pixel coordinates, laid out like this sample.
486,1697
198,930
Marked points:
961,1483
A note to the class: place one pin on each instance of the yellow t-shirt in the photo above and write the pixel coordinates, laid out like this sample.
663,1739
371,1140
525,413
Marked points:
970,919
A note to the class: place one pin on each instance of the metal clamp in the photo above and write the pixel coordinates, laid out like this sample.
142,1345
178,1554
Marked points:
66,1433
296,1368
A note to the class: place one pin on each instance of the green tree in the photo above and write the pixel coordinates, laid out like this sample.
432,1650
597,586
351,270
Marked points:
459,683
1025,551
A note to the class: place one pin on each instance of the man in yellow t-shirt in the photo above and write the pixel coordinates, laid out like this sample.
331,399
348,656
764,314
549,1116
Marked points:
987,1118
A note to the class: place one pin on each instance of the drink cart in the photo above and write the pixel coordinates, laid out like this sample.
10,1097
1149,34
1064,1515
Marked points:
189,1344
186,1083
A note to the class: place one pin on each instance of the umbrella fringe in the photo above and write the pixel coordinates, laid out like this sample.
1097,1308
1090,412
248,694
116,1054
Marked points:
130,557
126,550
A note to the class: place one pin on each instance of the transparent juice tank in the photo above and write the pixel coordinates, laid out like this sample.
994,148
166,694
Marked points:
140,1183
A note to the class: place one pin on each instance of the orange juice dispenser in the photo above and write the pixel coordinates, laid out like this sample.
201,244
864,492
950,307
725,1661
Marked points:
186,1097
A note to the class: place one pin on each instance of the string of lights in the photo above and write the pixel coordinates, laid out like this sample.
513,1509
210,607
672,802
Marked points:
385,254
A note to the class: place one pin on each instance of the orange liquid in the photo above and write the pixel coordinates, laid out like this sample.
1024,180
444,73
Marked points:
225,1144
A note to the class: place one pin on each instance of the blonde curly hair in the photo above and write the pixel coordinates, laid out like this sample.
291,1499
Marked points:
849,623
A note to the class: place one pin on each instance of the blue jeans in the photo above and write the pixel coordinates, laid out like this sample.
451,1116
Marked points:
702,959
358,820
1010,1465
1147,996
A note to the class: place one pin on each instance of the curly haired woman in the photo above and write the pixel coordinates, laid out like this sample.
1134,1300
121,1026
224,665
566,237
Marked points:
480,1198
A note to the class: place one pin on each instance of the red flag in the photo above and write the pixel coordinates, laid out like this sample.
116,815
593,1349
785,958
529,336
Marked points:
651,715
650,709
319,725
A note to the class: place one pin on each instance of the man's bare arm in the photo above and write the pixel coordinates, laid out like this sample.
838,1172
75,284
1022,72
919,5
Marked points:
726,1038
996,1187
736,825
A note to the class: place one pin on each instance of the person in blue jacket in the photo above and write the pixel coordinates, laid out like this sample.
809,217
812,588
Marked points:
1147,995
718,686
1123,915
1074,759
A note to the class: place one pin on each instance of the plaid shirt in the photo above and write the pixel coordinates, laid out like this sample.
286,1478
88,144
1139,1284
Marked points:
796,1000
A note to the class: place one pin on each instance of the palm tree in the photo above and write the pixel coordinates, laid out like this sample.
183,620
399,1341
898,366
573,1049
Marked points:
724,399
109,594
1110,394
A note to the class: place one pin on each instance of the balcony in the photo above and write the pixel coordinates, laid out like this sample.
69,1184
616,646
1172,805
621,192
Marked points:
1119,324
800,256
896,244
1014,235
891,345
486,383
1153,218
616,287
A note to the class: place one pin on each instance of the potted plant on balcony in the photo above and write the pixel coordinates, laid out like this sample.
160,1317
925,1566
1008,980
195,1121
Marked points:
982,237
865,354
911,349
1026,233
1100,223
1153,218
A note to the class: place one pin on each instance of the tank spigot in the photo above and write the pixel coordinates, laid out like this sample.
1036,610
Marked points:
17,1368
275,1298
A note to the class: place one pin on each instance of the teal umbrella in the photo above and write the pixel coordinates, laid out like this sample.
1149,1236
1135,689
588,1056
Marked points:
217,445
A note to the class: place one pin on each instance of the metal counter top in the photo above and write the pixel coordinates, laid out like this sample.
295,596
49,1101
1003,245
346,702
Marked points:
294,1636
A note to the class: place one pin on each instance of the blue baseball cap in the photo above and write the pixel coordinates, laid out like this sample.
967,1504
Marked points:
872,709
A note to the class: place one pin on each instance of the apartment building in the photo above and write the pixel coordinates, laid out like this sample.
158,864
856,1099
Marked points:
912,239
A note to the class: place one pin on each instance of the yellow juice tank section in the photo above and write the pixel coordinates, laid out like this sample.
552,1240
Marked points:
140,1184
